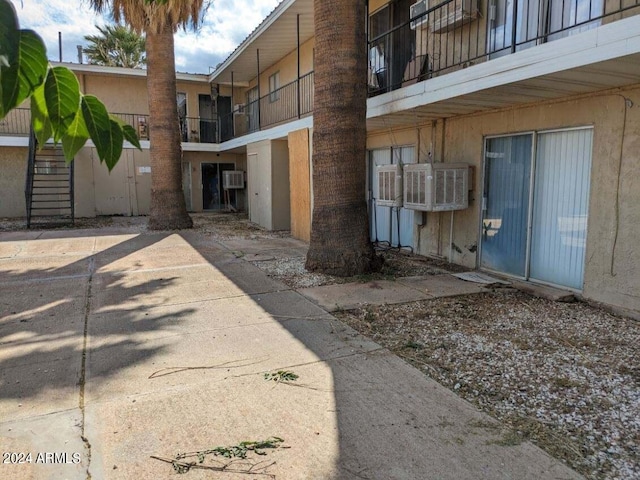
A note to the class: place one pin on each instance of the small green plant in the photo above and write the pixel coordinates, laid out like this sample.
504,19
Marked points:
281,376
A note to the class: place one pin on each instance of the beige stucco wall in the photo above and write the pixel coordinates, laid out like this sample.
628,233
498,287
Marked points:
122,94
13,165
614,207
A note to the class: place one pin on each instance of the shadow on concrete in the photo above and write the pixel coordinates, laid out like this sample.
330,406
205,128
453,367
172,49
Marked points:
43,314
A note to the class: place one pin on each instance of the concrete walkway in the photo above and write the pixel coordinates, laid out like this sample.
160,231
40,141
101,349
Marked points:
117,346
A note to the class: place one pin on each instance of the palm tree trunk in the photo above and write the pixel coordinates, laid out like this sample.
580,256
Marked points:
168,209
340,242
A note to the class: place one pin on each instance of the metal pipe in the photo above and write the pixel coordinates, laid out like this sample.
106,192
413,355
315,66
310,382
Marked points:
298,50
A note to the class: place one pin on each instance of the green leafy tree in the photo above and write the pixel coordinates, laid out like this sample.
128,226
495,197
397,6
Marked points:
58,109
116,46
159,20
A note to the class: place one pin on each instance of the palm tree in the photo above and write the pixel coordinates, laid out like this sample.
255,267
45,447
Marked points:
116,46
340,229
159,20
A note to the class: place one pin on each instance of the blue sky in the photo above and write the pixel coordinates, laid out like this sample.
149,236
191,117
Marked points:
226,24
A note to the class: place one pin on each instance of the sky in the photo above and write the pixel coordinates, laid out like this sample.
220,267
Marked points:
226,23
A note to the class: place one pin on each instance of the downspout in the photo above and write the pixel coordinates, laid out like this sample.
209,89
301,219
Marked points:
233,112
258,59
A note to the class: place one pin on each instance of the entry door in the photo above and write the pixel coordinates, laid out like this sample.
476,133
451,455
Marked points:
214,197
207,119
534,217
259,191
392,225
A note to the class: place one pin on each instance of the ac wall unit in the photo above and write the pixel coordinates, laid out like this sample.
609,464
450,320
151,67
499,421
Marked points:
452,15
232,179
436,187
415,10
389,178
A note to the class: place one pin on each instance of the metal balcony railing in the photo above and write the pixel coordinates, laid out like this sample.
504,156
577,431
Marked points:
291,101
459,33
17,123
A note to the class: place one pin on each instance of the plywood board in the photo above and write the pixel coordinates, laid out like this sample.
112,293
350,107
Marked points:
299,184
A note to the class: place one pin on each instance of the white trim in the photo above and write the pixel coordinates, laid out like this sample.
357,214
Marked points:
8,141
273,133
127,72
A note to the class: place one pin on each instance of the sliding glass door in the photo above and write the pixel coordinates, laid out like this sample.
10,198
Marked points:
535,205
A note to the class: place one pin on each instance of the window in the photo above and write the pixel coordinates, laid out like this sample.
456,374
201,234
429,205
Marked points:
274,86
538,21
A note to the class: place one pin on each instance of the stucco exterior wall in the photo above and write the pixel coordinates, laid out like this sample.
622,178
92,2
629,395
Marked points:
13,165
612,256
122,94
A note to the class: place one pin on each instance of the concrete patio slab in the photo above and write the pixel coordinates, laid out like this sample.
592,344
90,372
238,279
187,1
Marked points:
441,285
44,267
356,410
353,295
57,433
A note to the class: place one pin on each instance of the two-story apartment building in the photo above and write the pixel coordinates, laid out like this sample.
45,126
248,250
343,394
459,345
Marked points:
539,97
126,189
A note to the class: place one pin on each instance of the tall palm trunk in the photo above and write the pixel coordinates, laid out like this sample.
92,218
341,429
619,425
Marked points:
168,208
340,242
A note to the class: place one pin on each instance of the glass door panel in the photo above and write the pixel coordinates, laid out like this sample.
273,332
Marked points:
505,212
560,207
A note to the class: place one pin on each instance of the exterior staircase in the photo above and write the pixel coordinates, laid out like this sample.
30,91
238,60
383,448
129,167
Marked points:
49,187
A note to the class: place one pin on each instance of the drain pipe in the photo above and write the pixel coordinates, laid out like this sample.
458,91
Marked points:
451,239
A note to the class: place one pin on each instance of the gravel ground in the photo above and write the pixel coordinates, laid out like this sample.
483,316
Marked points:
564,376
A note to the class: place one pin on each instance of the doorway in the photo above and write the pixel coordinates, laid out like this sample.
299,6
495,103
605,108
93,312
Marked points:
214,197
207,119
535,205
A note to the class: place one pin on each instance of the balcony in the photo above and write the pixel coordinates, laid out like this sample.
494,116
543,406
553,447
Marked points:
457,34
289,102
192,129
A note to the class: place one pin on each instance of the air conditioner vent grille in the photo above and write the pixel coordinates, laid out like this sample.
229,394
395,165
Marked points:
436,187
389,179
232,179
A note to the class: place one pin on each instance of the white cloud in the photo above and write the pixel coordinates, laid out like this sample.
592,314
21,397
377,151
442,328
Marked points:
225,24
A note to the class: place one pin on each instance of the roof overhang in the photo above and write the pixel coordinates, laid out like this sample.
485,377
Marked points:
275,37
84,68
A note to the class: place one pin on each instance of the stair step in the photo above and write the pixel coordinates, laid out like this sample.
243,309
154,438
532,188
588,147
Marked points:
50,208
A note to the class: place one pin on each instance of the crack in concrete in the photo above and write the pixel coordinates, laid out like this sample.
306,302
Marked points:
83,369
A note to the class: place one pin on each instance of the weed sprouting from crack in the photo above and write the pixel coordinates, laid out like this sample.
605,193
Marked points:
281,376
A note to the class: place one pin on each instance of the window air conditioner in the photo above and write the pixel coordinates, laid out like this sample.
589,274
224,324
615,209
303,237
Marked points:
453,15
232,179
436,187
389,178
418,9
